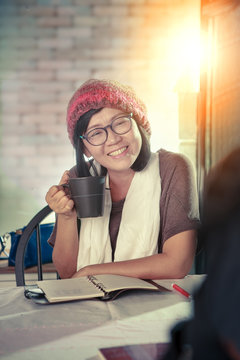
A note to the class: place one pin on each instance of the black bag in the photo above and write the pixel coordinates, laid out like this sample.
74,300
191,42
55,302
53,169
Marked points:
30,258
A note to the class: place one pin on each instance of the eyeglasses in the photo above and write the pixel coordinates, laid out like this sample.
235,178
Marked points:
120,126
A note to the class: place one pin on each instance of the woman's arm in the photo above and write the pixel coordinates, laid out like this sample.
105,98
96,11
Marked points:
65,249
175,261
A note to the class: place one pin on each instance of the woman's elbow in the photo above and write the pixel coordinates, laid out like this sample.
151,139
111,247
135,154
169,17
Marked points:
65,268
183,269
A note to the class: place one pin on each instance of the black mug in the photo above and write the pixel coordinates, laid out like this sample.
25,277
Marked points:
87,194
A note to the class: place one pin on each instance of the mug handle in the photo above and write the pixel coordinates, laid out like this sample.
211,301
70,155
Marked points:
66,186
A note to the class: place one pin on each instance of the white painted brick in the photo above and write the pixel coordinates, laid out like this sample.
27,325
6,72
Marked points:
19,173
18,42
121,42
66,10
15,21
123,22
129,64
17,56
91,2
10,161
110,10
22,131
55,43
8,9
56,150
72,74
54,21
53,64
16,85
110,74
98,40
76,32
91,21
10,140
52,86
9,97
65,162
36,32
34,161
19,108
9,75
10,118
36,118
37,96
51,171
38,11
51,129
20,151
37,75
64,96
33,183
105,53
51,108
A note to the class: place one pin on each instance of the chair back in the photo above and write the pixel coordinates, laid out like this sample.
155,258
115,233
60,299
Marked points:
33,225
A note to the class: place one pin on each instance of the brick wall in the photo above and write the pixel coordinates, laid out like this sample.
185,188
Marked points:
47,49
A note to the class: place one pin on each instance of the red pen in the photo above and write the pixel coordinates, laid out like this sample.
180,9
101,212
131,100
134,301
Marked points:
180,290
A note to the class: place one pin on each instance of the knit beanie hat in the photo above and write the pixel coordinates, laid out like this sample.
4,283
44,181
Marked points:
96,94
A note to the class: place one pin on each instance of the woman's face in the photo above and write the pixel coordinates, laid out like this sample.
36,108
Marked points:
119,152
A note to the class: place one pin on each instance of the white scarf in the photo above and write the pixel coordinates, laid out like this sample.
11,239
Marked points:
139,227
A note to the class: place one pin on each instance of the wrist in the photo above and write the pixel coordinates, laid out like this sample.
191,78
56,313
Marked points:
67,216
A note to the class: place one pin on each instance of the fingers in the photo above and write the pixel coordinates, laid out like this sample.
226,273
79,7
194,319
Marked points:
58,199
52,191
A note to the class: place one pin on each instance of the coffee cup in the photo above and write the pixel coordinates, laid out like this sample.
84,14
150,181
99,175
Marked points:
87,194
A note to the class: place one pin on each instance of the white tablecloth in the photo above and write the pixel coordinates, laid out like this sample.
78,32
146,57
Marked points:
76,330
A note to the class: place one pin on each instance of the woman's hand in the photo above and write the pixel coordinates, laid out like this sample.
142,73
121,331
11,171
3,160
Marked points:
82,272
58,200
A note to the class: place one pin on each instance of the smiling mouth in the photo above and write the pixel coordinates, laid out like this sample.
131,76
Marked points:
118,152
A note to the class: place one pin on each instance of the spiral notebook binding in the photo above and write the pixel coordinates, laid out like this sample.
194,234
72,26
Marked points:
99,285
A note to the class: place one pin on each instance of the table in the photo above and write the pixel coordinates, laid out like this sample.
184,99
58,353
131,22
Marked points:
76,330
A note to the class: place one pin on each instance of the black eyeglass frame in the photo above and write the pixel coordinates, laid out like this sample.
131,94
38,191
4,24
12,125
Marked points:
129,116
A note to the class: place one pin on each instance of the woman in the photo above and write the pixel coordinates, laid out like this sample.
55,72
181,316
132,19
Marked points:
151,213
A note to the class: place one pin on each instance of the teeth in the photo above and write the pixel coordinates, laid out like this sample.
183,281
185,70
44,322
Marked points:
118,152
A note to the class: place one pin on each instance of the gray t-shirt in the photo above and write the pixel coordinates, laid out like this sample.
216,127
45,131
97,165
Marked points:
179,209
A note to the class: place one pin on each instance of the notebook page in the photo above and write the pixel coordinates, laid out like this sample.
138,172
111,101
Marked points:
118,282
69,289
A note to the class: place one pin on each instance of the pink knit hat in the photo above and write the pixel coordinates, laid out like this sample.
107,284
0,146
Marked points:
96,94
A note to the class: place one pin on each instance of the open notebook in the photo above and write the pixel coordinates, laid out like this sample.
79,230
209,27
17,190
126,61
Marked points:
106,287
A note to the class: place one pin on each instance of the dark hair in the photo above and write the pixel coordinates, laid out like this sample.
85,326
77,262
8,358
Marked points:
80,128
83,167
145,152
